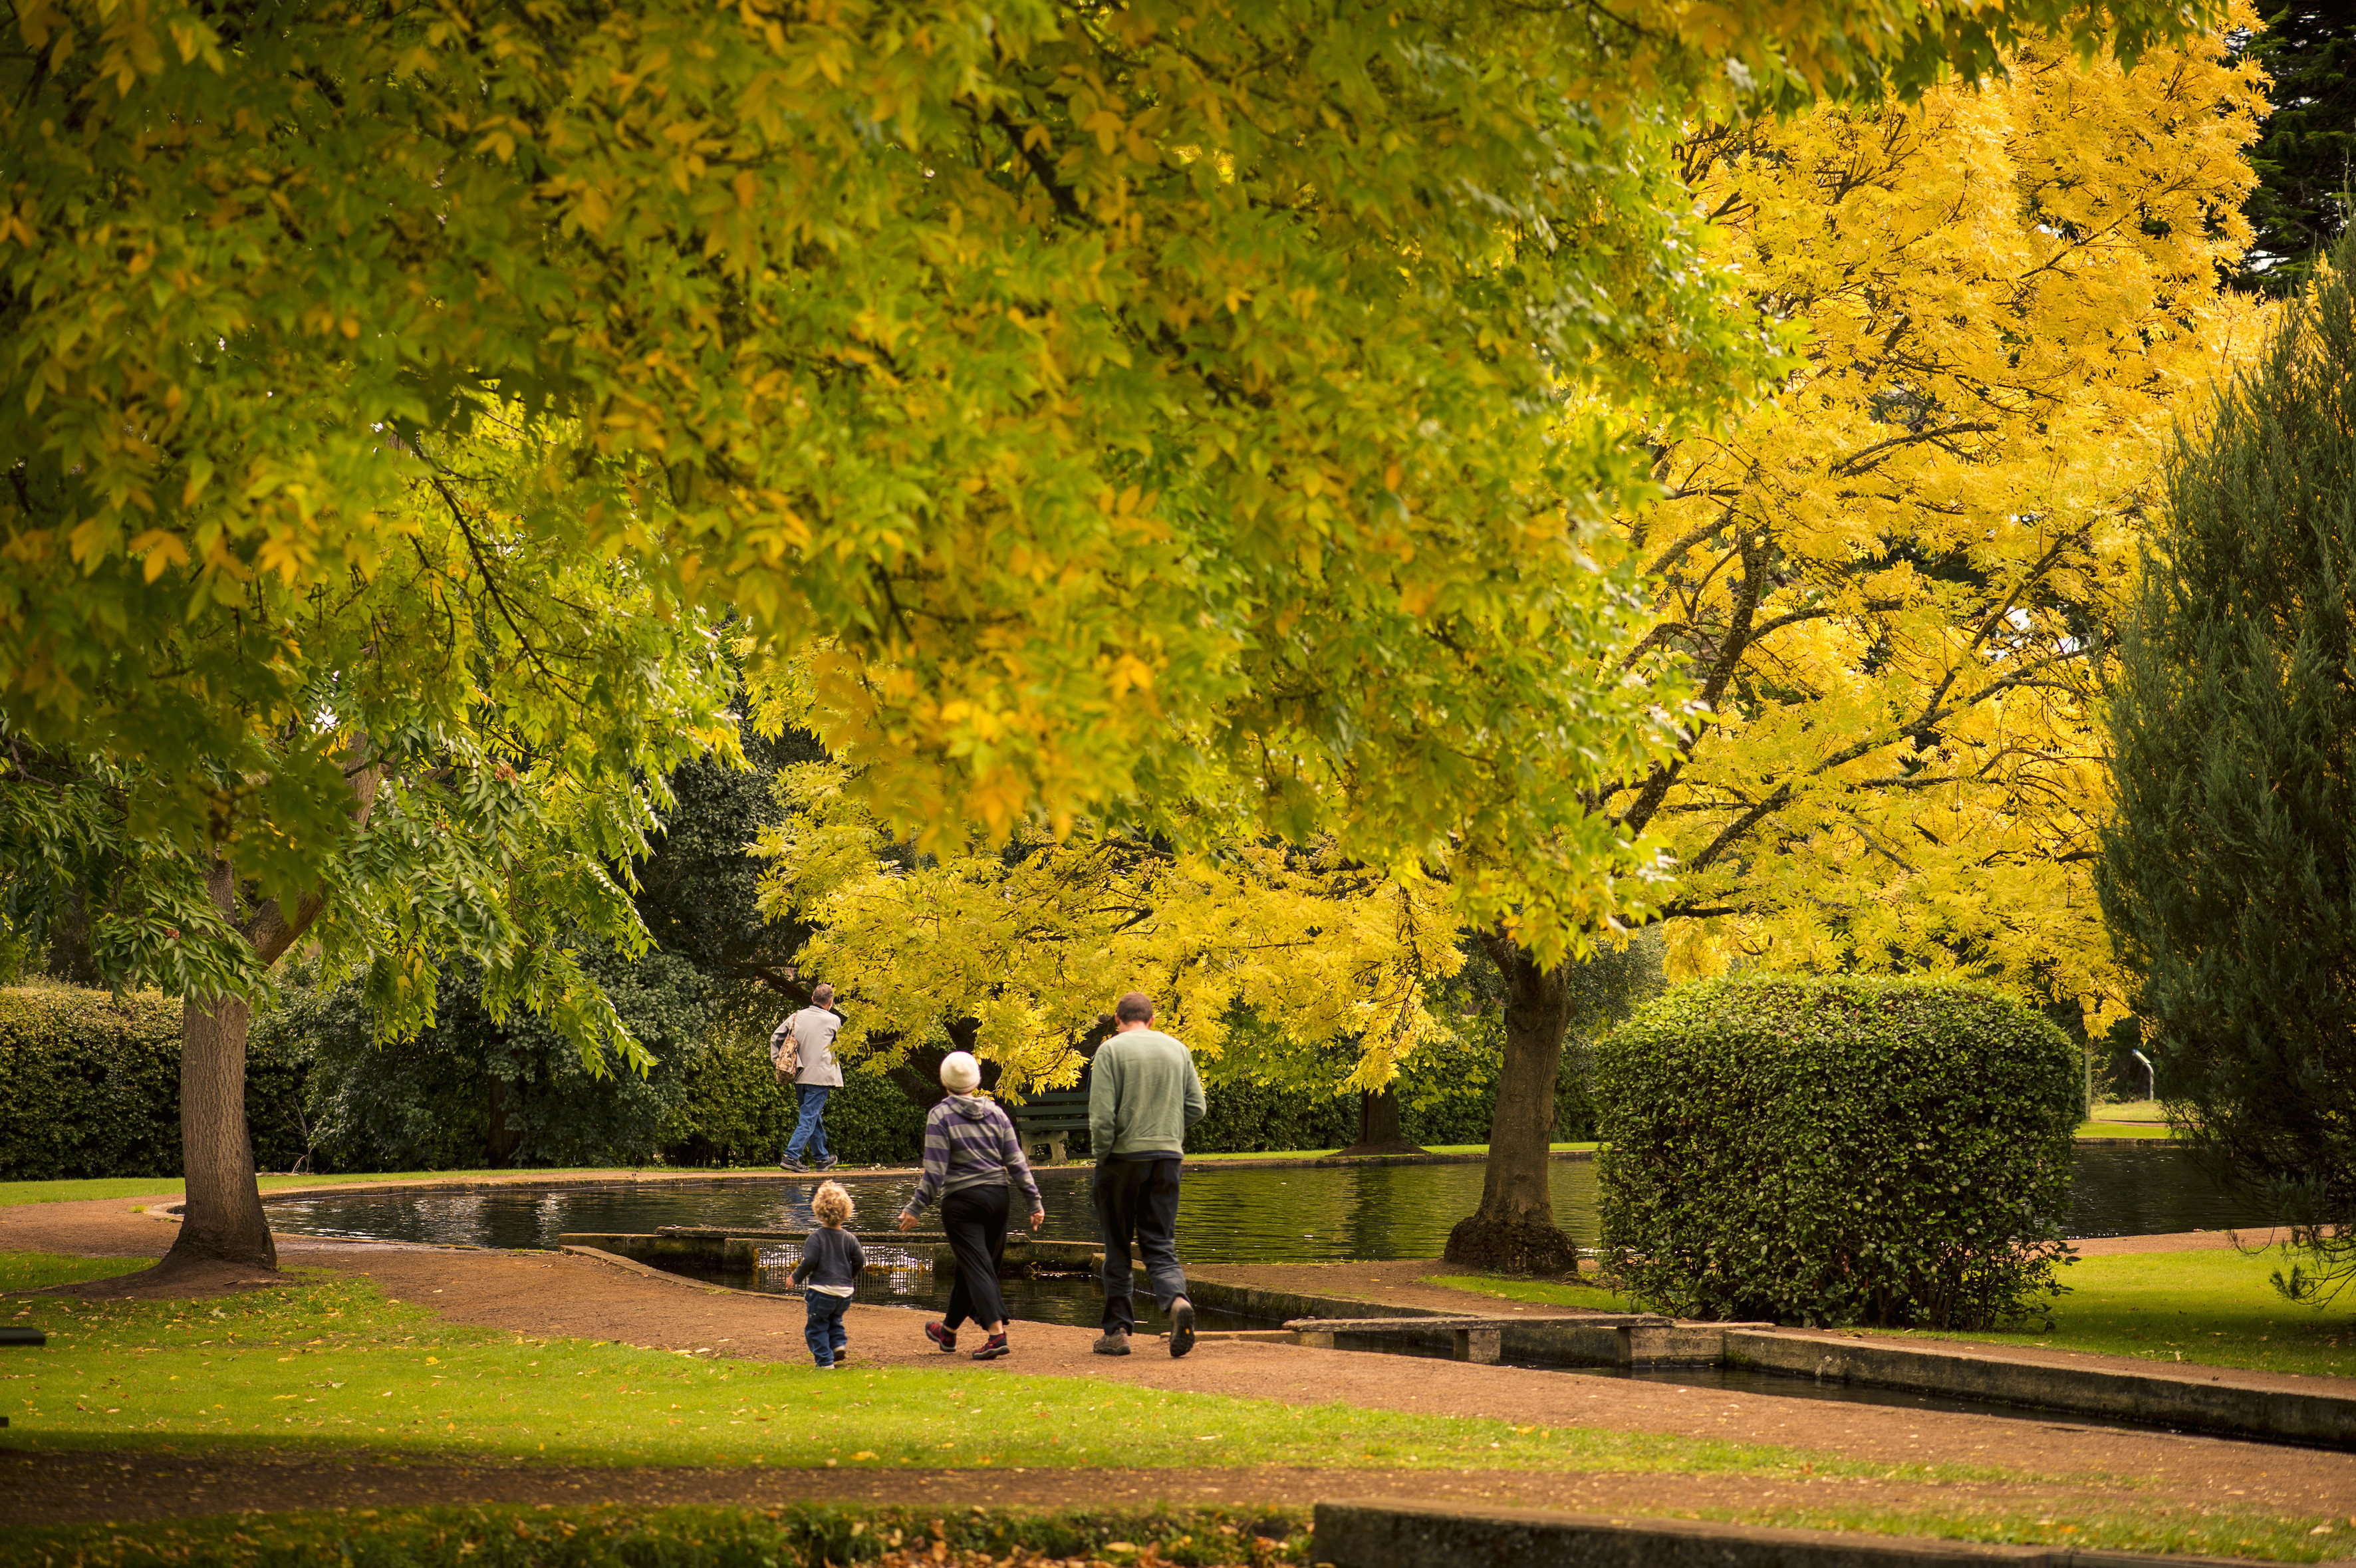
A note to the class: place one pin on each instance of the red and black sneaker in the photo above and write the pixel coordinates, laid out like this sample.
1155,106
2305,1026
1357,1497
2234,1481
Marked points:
994,1347
944,1337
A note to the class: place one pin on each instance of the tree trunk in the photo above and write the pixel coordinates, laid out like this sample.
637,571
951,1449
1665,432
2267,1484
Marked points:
1378,1126
500,1143
222,1220
1513,1230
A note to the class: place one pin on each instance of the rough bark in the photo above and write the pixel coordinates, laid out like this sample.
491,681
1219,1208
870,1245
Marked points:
1513,1230
1378,1127
222,1222
501,1140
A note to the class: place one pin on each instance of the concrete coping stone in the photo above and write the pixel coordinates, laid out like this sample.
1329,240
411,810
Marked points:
1463,1320
1432,1535
2212,1399
1015,1238
722,1233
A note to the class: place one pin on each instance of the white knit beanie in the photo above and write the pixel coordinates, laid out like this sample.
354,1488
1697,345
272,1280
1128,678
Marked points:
960,1072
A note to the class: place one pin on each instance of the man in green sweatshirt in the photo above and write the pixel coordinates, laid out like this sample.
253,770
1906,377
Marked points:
1143,1094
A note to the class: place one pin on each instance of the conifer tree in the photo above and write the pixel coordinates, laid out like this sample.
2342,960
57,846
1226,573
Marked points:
2229,870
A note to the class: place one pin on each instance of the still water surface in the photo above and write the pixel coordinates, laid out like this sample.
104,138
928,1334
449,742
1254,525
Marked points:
1224,1216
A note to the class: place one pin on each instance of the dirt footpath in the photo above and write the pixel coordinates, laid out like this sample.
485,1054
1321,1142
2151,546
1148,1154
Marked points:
541,1294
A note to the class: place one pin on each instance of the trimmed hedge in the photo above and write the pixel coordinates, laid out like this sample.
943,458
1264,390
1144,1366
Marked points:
739,1114
1832,1151
90,1086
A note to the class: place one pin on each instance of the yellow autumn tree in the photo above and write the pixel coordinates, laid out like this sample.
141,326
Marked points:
1016,949
1894,585
1891,584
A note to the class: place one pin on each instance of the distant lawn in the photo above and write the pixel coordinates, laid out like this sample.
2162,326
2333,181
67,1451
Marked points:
171,1187
2210,1308
1541,1293
2119,1130
1329,1154
76,1191
2126,1119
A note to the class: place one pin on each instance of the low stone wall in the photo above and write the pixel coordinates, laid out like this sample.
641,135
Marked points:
2207,1398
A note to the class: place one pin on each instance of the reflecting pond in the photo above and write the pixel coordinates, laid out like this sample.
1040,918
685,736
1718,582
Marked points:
1293,1214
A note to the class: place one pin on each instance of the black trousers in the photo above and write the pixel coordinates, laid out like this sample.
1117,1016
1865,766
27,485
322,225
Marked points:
1137,1198
975,1219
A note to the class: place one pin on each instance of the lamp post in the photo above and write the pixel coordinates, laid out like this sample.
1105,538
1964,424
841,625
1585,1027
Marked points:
2150,1077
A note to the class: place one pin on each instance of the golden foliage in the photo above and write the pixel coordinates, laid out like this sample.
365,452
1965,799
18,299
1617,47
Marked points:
1895,584
1035,940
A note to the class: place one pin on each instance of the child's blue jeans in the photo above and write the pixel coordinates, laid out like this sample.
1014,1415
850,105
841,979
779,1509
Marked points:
823,1329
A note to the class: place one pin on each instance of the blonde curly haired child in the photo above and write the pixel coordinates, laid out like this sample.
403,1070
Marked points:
828,1274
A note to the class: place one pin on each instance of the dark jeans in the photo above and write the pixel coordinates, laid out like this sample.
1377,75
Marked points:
823,1328
975,1219
1140,1198
811,1128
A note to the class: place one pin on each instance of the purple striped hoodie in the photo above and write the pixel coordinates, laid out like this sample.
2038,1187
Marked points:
968,1141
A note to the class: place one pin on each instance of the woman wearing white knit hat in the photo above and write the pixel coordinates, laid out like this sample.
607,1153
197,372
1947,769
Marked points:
970,1156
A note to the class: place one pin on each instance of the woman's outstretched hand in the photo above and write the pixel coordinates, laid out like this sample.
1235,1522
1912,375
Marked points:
907,1222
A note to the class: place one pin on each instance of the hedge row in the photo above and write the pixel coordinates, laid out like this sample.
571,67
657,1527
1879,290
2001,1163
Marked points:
90,1086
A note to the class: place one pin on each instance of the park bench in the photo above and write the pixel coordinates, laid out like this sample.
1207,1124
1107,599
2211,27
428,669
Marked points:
1045,1120
20,1334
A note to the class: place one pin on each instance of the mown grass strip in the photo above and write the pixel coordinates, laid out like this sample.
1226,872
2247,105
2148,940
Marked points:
330,1365
687,1537
950,1537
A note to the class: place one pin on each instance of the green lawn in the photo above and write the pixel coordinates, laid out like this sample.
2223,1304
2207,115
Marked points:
1329,1154
609,1537
2214,1308
1543,1292
331,1365
2126,1119
2118,1129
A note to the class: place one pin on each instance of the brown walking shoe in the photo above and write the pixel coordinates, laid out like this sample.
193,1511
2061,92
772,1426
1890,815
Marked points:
1111,1342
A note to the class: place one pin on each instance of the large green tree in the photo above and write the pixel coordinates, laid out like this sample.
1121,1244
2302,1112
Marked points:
2305,157
1104,389
2228,872
498,716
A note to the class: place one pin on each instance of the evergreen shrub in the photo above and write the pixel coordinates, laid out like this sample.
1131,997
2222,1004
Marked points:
2228,875
737,1114
1834,1151
90,1086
